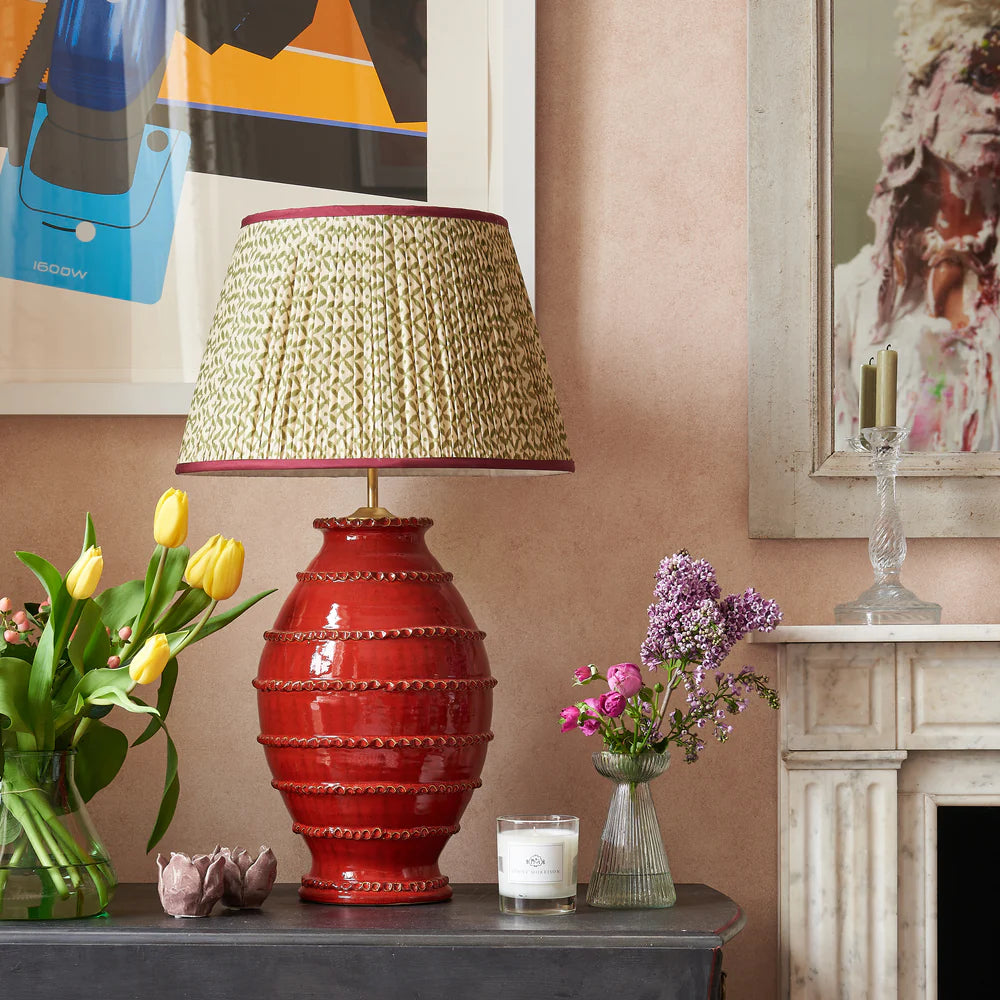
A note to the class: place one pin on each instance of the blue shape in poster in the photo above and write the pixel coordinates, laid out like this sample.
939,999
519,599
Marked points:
116,245
89,195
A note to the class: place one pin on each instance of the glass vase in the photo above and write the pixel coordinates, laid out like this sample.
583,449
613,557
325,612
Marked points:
631,871
52,863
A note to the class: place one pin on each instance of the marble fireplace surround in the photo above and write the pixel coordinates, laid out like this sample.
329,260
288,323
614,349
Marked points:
879,726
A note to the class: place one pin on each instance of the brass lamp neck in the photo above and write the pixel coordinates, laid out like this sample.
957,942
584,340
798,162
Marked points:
373,511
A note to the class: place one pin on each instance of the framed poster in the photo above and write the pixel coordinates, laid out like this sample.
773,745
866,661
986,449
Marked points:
137,136
873,192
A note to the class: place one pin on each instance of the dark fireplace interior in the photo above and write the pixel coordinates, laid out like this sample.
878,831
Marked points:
968,888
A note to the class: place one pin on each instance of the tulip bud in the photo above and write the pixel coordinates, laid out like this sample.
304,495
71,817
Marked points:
224,573
82,579
170,522
200,561
149,662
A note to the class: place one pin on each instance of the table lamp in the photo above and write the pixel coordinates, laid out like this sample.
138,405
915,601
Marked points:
358,341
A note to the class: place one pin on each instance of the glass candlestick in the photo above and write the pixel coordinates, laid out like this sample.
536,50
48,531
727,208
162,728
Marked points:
887,601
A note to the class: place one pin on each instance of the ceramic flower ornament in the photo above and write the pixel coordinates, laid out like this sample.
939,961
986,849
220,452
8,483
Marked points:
190,886
247,881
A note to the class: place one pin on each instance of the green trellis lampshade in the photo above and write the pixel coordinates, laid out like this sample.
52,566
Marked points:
392,338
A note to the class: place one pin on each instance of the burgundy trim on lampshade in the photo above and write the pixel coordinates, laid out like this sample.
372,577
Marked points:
345,211
291,466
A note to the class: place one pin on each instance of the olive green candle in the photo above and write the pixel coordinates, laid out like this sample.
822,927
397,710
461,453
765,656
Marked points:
866,410
885,388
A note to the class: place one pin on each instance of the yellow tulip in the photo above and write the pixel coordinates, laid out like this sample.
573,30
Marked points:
149,662
200,561
82,579
223,574
170,522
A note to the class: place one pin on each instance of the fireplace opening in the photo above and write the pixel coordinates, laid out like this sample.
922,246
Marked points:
968,886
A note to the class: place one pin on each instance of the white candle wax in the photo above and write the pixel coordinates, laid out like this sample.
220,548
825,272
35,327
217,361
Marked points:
537,863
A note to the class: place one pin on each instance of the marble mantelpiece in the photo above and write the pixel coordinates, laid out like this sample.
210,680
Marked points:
879,726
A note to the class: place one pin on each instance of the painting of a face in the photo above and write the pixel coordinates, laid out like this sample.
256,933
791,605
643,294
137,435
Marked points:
965,92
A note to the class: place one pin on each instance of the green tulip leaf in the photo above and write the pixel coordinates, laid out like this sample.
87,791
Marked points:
100,754
10,828
93,689
171,792
164,697
89,624
40,709
111,695
15,676
221,621
89,535
49,578
119,605
188,607
98,648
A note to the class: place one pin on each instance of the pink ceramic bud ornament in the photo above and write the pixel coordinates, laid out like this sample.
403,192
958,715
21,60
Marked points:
247,883
190,887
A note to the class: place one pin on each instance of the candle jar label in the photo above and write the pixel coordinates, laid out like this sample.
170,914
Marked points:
532,862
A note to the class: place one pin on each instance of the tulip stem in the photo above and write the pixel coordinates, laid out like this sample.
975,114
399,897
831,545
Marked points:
193,634
140,621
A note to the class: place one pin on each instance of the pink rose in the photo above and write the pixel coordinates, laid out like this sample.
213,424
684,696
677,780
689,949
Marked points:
625,678
590,726
570,717
612,704
10,635
20,617
593,705
583,674
5,604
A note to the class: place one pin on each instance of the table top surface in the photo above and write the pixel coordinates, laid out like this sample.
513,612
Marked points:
701,918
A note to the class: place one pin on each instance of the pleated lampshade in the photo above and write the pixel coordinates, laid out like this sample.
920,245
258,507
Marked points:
392,338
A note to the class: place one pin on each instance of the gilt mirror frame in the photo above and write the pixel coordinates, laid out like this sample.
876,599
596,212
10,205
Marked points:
800,485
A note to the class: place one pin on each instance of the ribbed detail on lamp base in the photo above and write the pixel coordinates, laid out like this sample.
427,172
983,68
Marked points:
631,871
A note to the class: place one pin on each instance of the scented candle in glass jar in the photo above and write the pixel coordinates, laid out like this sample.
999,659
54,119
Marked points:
536,863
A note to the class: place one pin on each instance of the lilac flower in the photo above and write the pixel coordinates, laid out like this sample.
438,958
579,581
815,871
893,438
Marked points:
570,717
625,678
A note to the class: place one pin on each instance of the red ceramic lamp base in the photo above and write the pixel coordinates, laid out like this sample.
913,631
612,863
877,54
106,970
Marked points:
375,701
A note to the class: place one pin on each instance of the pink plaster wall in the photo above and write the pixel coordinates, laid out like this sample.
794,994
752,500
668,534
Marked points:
642,305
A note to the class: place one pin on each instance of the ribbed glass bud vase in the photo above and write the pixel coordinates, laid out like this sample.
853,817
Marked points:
631,871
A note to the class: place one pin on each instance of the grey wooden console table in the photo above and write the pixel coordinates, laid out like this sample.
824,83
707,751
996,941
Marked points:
461,949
